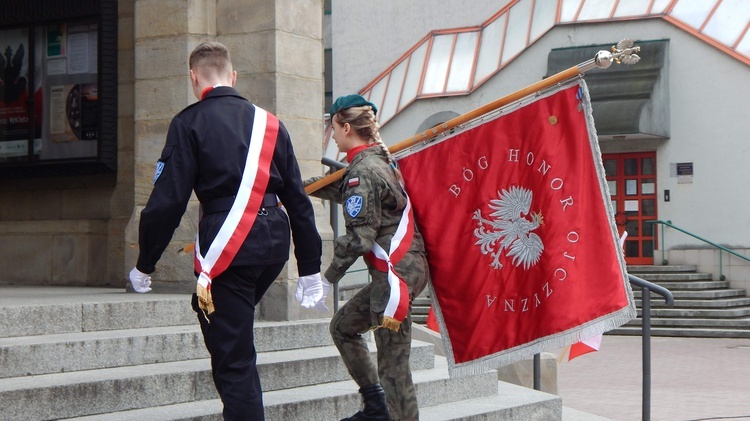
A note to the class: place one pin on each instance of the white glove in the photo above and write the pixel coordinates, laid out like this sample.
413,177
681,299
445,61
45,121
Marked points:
326,288
309,290
141,281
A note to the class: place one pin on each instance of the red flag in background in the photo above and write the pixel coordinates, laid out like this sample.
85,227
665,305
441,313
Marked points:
585,346
522,247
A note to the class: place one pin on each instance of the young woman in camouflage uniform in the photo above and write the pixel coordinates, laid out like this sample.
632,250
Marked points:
375,204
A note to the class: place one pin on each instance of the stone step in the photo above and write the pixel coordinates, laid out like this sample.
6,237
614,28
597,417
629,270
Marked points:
638,269
512,403
440,398
741,323
422,301
79,393
668,312
724,303
674,277
690,285
111,309
697,294
46,354
684,332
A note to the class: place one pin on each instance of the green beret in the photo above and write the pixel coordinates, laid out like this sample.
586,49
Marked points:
348,101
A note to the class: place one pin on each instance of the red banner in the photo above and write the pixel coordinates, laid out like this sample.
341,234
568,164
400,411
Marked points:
516,216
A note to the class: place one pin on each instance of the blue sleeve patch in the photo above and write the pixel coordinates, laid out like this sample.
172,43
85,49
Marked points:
159,169
353,205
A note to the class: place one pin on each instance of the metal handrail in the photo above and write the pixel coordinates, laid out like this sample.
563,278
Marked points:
721,248
646,288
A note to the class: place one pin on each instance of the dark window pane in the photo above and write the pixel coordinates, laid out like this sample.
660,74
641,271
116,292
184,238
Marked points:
631,166
648,229
631,248
648,248
610,167
647,166
648,207
632,228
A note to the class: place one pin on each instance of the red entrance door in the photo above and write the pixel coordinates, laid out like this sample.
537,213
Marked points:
632,186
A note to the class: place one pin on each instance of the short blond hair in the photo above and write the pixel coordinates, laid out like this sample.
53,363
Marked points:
211,56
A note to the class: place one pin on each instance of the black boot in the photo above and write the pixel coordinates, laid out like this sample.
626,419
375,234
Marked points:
376,409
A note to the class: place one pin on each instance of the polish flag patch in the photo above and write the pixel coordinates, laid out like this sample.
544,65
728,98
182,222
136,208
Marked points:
354,181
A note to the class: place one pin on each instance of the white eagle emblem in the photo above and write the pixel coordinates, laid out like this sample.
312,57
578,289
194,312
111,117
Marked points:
511,229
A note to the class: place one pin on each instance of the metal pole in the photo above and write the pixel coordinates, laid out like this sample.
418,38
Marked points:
624,53
646,347
537,372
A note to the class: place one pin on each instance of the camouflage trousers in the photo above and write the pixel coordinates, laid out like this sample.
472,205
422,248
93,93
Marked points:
363,313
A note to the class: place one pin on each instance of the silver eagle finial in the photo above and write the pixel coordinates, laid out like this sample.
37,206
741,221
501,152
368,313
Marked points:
622,53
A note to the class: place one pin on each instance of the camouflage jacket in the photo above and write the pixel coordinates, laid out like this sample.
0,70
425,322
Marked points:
373,205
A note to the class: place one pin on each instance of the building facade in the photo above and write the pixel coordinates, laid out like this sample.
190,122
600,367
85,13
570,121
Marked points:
671,128
107,77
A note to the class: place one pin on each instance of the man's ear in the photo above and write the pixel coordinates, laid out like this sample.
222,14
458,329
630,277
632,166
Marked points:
193,77
234,77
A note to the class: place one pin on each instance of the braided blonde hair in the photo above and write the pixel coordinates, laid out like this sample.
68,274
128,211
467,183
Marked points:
362,120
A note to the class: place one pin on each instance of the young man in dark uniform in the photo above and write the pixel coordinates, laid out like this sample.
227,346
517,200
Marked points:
239,160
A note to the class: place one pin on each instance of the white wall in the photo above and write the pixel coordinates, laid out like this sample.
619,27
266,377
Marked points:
709,106
370,35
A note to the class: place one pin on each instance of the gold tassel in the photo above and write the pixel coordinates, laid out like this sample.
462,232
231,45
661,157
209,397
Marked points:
205,301
390,323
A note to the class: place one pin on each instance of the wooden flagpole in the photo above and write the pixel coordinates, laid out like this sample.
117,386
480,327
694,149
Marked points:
624,52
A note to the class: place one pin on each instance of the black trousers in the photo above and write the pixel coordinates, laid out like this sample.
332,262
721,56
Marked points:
228,334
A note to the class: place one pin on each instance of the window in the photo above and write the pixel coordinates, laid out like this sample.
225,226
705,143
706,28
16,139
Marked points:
58,87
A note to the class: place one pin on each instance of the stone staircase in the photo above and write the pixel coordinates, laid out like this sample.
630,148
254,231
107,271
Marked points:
702,307
94,354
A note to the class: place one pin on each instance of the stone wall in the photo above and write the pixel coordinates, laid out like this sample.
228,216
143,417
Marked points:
277,51
83,230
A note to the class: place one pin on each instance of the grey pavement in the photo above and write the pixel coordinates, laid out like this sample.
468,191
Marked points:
691,379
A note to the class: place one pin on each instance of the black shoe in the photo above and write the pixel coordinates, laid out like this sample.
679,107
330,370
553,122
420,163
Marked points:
376,408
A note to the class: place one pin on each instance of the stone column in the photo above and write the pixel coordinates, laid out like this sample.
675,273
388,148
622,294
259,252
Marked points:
277,51
165,33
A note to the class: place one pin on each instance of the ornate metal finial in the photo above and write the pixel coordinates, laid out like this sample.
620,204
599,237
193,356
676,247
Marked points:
625,52
622,53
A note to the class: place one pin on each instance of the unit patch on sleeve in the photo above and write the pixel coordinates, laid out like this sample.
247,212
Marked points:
159,169
353,205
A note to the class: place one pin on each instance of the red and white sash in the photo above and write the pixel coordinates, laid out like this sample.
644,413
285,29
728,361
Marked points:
246,204
398,300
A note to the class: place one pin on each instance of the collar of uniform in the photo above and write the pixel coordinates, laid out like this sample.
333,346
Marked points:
364,154
354,151
218,91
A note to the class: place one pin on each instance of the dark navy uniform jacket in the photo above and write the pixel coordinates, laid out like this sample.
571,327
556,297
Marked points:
205,151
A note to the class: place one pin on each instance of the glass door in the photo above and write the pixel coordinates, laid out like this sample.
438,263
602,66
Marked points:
632,185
